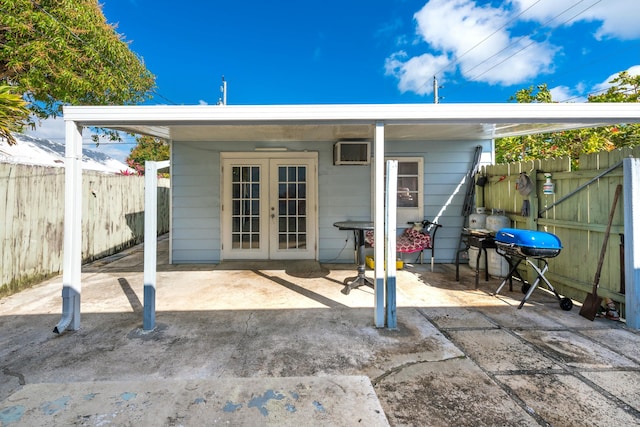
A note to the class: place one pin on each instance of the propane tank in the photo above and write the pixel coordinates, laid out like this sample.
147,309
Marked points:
497,220
497,265
478,220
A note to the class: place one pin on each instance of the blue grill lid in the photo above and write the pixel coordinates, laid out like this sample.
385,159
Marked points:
528,238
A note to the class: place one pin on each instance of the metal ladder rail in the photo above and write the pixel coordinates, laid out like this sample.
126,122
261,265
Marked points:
468,198
471,185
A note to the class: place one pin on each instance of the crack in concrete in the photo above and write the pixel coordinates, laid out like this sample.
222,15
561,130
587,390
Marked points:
245,333
375,381
565,369
10,373
246,324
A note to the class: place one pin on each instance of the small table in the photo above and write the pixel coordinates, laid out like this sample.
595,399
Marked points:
358,228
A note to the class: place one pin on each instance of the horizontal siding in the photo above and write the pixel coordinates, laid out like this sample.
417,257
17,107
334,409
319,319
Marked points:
195,174
190,233
195,256
344,193
446,166
200,243
202,201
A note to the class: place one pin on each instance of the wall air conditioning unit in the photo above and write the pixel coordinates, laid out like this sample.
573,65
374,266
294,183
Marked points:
352,153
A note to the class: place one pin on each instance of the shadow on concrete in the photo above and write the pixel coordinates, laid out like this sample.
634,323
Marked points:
302,291
136,305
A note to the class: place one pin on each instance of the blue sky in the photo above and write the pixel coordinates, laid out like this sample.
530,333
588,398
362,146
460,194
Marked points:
377,51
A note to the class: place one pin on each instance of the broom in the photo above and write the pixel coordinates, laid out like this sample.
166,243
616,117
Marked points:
592,303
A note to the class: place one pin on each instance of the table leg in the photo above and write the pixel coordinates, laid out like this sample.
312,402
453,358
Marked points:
361,278
478,265
486,265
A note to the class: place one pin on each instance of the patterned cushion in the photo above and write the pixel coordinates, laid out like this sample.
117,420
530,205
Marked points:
410,240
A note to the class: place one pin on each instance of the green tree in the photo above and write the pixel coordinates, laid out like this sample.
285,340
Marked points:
60,52
147,148
13,113
529,95
573,143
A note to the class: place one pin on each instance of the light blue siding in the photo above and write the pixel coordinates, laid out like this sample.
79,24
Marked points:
344,193
195,204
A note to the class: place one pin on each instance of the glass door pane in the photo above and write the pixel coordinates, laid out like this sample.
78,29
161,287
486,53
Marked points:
292,207
245,207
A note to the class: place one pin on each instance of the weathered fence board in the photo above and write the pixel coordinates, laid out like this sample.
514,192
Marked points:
32,232
579,221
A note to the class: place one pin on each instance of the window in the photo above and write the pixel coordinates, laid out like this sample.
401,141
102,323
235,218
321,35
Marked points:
410,196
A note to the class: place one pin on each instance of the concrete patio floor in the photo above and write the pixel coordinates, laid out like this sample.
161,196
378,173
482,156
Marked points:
279,344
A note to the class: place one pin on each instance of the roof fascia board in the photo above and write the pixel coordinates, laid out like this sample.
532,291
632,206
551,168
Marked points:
578,113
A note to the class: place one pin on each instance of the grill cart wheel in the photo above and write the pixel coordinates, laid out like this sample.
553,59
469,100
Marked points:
525,287
566,304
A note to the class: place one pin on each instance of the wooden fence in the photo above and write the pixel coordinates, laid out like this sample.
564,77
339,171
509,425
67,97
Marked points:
580,220
32,231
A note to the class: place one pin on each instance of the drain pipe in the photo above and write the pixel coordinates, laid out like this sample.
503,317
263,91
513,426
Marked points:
70,305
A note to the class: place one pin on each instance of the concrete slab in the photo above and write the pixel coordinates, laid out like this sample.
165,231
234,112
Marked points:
498,350
576,351
621,384
458,318
460,356
563,400
620,340
525,318
449,393
332,400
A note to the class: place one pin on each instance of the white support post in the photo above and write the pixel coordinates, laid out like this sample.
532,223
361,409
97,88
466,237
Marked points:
72,257
150,241
631,197
378,223
390,231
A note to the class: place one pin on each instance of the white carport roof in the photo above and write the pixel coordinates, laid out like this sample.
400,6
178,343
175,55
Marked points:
313,123
426,122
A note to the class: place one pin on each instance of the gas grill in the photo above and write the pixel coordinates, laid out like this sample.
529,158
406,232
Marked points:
517,246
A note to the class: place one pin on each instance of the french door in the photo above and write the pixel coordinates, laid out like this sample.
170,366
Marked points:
269,205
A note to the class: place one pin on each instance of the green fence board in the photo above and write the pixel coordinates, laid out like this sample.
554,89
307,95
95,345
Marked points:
579,221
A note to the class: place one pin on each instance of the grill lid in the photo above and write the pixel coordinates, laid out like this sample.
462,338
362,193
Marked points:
528,238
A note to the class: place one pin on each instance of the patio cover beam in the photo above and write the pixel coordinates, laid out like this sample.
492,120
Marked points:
72,257
631,197
378,225
150,241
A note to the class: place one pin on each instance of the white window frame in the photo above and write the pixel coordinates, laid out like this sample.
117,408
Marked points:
406,214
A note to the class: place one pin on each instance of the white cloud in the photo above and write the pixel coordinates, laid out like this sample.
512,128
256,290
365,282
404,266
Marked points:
618,18
567,94
505,44
580,92
606,84
415,74
479,39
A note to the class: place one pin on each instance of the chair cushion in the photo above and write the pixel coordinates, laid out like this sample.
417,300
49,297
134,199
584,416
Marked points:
411,240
